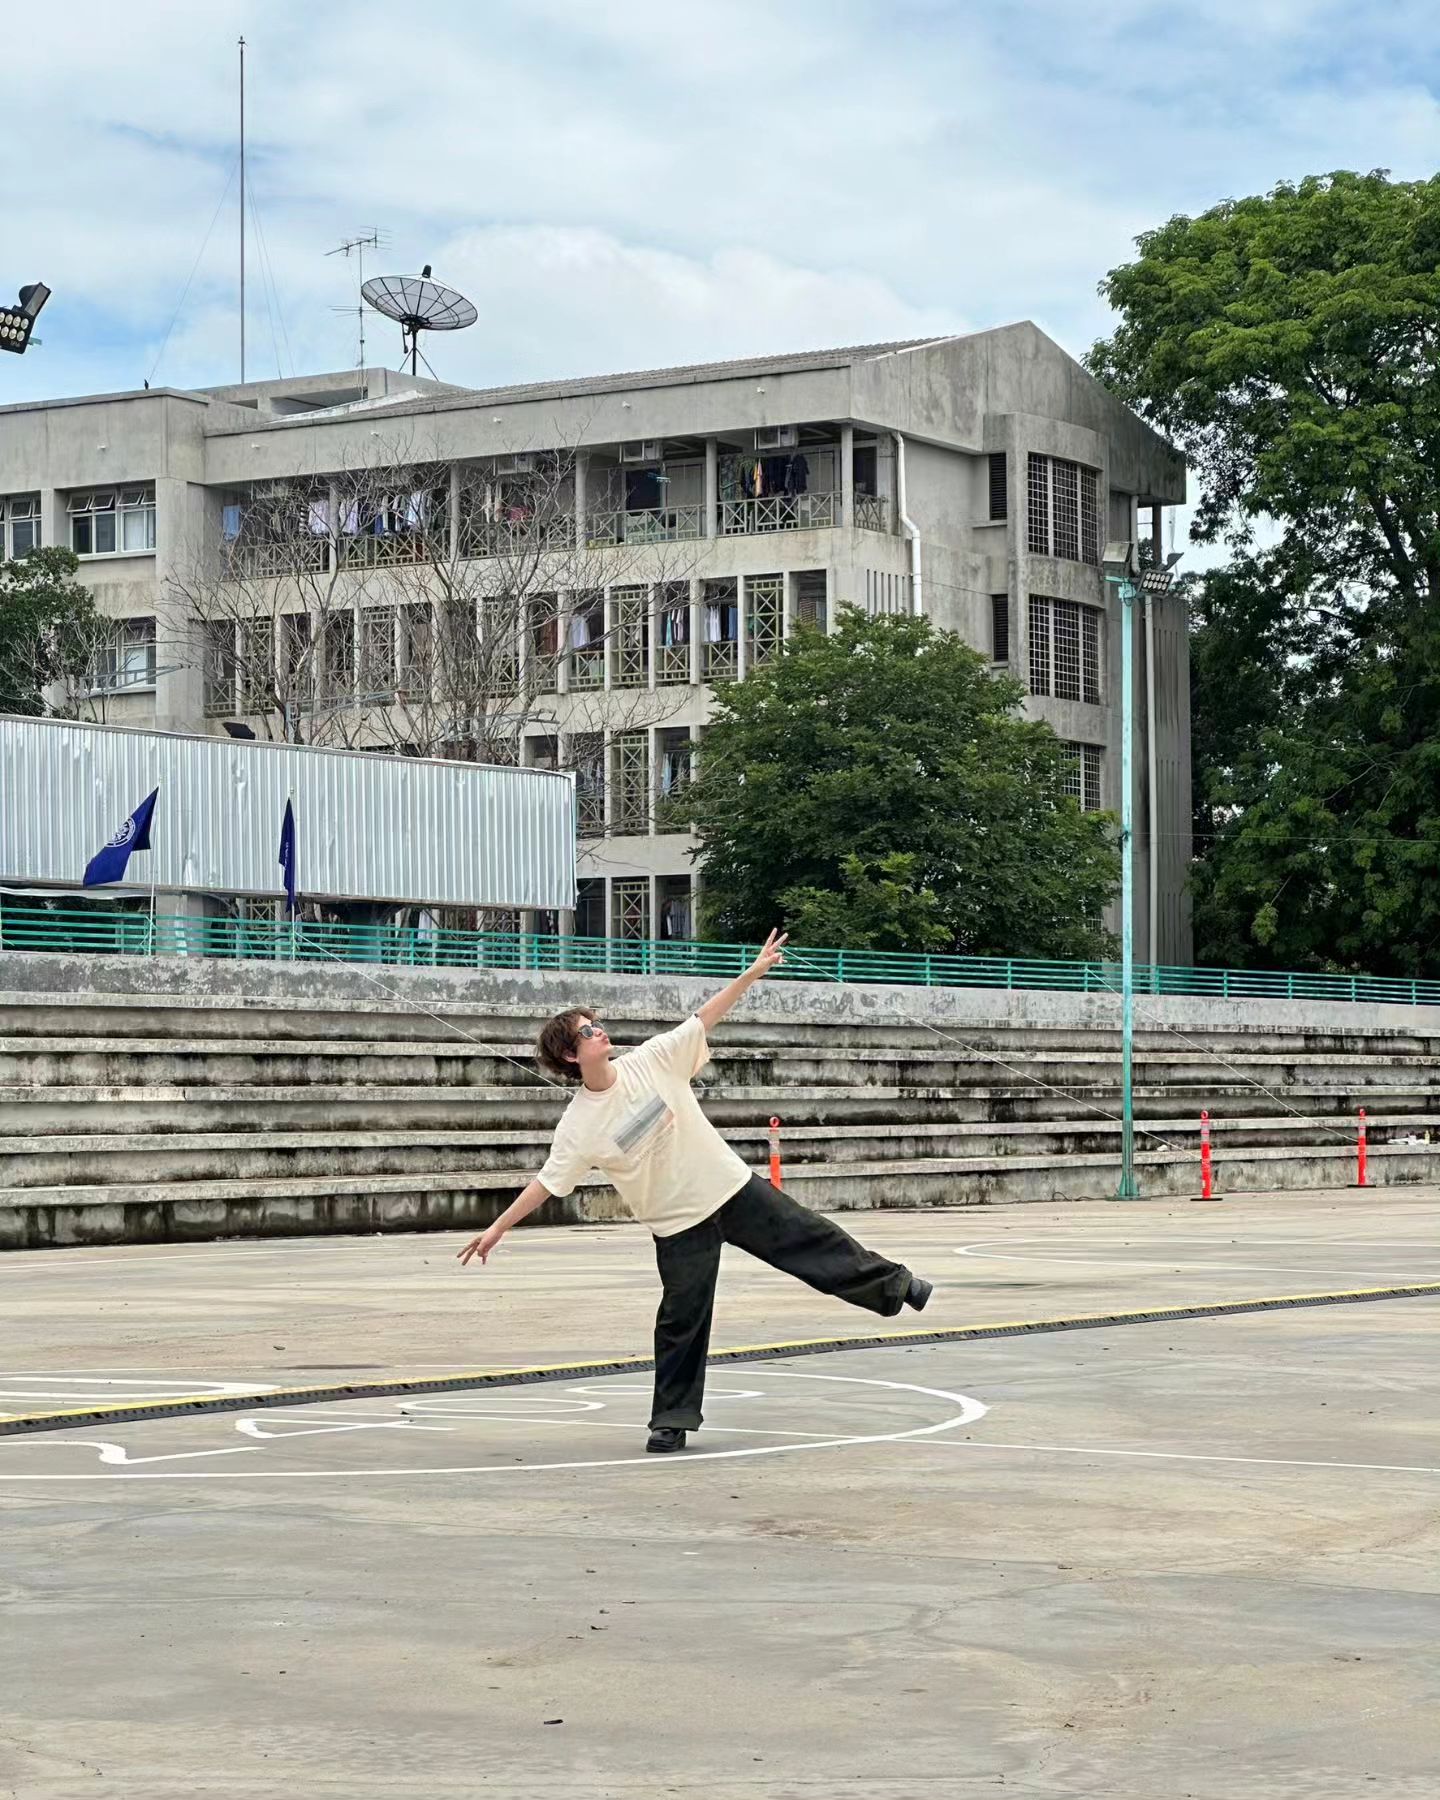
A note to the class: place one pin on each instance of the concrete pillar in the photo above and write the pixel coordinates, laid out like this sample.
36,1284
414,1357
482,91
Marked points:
607,626
697,619
564,601
652,776
787,603
452,548
652,633
712,487
182,545
582,474
847,477
742,649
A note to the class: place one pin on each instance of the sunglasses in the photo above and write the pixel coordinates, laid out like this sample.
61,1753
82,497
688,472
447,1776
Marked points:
588,1031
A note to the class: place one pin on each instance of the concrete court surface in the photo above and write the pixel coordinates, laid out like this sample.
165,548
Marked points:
1195,1559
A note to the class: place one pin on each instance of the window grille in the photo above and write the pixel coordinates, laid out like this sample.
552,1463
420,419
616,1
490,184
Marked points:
765,609
1064,649
630,797
631,902
1081,777
1063,509
629,637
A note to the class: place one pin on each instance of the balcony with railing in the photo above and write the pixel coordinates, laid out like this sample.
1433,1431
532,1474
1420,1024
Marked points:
779,512
646,525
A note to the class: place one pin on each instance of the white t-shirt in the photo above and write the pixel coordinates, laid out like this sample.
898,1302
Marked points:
647,1135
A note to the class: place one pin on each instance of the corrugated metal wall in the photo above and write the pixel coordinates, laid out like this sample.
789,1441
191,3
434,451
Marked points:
368,827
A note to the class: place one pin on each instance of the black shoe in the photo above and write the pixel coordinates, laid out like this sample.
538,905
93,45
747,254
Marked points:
918,1293
664,1439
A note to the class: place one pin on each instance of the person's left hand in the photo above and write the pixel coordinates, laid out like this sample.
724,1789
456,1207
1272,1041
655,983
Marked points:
771,954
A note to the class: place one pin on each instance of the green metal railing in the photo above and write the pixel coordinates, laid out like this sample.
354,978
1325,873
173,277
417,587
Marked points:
26,926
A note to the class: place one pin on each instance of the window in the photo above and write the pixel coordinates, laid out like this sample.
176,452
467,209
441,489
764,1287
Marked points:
999,490
587,758
1082,774
111,522
1000,628
673,624
220,668
1062,510
1064,649
19,525
674,768
812,598
586,640
719,631
127,661
590,908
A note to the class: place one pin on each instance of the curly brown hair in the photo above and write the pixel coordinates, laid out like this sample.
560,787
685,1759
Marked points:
557,1036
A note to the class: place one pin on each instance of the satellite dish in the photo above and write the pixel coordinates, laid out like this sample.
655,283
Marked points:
417,304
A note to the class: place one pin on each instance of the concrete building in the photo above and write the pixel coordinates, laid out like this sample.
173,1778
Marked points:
972,478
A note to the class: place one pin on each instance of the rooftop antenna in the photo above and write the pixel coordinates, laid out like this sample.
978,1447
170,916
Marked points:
357,246
417,304
242,211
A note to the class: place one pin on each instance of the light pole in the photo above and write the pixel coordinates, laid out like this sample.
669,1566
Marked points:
1124,574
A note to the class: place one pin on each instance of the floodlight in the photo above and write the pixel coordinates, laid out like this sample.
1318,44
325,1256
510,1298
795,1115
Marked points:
18,321
1121,557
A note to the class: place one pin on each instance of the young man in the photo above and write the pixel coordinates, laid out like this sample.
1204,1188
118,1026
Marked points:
638,1121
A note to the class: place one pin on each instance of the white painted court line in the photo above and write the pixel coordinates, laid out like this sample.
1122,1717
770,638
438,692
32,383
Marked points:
982,1253
1195,1456
969,1411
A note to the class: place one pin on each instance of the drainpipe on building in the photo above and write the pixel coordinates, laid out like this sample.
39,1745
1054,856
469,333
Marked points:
911,529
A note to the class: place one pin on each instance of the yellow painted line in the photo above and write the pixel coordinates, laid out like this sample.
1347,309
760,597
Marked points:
183,1405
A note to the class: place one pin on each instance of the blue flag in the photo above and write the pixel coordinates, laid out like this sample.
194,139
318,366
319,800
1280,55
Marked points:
287,858
109,864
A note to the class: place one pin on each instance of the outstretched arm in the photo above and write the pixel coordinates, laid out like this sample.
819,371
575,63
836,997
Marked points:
716,1007
521,1208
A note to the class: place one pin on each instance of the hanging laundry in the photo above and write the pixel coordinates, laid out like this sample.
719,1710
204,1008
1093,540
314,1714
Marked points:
579,632
712,622
317,516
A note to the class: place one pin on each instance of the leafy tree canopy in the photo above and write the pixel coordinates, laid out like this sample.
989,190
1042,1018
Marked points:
1290,343
879,788
48,628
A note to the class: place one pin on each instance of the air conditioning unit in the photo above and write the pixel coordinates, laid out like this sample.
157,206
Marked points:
642,450
522,463
777,437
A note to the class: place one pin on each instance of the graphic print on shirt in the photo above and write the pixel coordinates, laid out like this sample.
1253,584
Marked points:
643,1129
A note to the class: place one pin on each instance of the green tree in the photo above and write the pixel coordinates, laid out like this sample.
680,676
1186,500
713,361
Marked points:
49,628
1290,344
880,788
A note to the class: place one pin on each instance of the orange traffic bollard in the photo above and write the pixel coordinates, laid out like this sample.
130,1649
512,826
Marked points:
1362,1177
1207,1184
775,1153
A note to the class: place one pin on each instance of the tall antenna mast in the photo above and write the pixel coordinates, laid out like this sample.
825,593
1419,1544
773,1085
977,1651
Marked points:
242,209
356,247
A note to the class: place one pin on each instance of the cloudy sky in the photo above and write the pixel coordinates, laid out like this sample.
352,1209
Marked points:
620,186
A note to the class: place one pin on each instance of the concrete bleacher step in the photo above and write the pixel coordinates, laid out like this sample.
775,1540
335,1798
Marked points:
57,1062
171,1099
470,1198
45,1161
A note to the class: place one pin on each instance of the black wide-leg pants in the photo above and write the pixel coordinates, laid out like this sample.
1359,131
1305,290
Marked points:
781,1232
